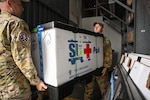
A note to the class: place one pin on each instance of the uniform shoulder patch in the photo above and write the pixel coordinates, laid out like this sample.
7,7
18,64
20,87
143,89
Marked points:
24,37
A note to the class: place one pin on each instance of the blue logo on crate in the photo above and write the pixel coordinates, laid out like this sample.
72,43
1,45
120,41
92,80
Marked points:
76,52
73,54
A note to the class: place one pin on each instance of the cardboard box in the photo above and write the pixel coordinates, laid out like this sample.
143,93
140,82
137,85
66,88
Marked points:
133,58
142,55
122,59
126,63
139,74
145,61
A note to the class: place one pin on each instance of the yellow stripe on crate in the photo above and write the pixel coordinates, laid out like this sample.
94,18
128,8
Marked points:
68,98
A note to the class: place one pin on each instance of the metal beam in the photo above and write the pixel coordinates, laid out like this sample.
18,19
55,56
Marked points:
113,15
125,6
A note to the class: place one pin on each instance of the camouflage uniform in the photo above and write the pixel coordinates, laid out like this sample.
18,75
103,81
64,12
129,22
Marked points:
17,71
102,81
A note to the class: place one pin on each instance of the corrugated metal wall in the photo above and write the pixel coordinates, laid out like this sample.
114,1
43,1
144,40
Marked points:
60,6
36,13
142,28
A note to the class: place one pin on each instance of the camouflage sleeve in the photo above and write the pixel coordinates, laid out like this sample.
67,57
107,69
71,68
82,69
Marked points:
107,53
20,48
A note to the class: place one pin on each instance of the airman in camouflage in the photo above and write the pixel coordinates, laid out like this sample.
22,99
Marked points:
17,70
102,79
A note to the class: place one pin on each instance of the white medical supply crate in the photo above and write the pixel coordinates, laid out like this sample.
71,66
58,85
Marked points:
65,52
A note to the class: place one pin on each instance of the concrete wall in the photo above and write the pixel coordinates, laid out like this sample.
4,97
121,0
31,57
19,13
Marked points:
113,35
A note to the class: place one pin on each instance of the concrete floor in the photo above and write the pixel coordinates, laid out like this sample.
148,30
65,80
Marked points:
78,91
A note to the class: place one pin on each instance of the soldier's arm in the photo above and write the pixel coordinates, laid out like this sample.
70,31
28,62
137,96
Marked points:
107,54
20,48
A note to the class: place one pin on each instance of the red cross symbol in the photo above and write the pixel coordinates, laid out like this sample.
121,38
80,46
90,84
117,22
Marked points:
87,51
